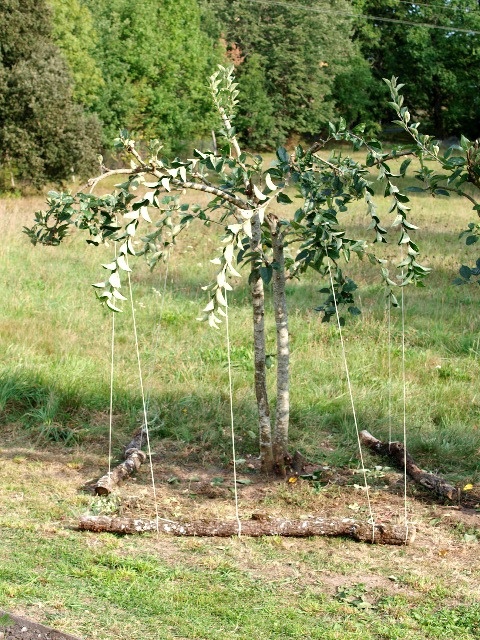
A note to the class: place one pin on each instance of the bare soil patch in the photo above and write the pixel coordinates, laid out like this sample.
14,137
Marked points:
14,627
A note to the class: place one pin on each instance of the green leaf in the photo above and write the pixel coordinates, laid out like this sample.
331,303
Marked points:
114,280
283,198
282,154
122,263
404,166
111,306
465,272
266,274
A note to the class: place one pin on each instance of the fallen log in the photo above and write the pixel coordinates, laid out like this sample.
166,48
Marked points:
110,481
397,453
257,527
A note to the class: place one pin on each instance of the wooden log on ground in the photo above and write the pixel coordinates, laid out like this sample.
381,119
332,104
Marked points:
402,459
344,527
107,483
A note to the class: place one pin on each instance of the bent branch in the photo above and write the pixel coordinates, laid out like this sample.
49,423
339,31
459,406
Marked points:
397,452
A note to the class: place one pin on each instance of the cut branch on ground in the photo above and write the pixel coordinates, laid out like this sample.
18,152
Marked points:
257,527
134,458
396,452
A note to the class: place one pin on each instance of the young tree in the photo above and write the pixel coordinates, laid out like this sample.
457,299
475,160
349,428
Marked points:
246,192
43,134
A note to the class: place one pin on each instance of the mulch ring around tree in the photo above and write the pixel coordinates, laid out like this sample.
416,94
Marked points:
14,627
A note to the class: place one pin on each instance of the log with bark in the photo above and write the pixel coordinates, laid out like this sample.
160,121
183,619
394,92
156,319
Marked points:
257,527
134,458
398,454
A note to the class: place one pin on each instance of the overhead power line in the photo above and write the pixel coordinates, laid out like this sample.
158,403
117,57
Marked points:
363,16
442,7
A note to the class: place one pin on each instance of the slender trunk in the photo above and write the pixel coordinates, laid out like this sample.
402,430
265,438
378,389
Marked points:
280,440
258,303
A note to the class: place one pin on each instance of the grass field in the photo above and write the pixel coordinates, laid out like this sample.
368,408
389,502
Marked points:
54,397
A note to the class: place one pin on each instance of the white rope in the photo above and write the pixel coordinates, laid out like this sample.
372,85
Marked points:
112,371
149,451
157,328
405,505
232,427
110,417
350,391
389,303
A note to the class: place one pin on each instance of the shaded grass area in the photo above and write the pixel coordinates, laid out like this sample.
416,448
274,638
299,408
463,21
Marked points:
54,376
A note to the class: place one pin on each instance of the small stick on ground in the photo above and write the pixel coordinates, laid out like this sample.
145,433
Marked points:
396,452
344,527
134,458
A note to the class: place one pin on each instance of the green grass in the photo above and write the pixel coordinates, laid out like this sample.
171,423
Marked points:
54,391
100,586
54,376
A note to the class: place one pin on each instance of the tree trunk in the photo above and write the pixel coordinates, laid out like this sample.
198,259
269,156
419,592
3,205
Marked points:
280,440
345,527
258,303
396,452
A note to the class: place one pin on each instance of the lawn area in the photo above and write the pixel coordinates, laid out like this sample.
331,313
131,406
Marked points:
55,341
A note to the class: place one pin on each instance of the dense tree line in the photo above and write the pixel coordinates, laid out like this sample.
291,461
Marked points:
74,72
44,134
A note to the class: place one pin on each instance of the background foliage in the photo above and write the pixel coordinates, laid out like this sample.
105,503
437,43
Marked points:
142,66
44,135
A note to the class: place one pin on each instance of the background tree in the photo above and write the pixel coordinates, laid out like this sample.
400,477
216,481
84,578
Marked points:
431,46
290,53
44,135
75,35
154,58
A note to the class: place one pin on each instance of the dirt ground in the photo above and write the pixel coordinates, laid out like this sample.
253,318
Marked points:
18,628
189,486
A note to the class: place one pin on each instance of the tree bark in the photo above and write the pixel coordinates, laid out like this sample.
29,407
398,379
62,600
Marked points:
110,481
397,452
282,416
134,458
259,349
344,527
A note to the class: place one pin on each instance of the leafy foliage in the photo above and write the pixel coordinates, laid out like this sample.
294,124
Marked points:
242,187
460,169
43,134
153,58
